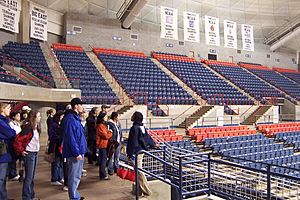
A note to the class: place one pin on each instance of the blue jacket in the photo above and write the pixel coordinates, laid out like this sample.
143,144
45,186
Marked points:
7,134
74,142
138,139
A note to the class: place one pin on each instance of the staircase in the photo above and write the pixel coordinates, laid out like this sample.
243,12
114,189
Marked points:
59,77
124,109
254,117
180,82
115,86
195,116
230,83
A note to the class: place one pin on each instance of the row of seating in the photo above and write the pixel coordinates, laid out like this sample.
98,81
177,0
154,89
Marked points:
186,145
118,52
160,88
33,58
202,136
160,56
271,129
165,135
195,131
94,88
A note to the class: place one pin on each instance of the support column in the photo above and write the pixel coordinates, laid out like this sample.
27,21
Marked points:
24,23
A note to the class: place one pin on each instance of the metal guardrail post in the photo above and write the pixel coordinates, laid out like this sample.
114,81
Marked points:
268,182
209,175
180,179
136,169
164,157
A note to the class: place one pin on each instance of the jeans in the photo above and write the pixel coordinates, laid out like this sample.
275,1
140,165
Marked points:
30,161
56,170
102,162
12,169
114,161
92,151
74,174
66,171
3,172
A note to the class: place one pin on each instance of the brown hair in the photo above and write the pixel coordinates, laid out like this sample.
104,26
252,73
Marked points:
2,106
30,121
50,111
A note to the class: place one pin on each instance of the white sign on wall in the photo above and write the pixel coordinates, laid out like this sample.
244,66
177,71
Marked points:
169,24
247,37
191,27
212,34
230,38
10,15
38,22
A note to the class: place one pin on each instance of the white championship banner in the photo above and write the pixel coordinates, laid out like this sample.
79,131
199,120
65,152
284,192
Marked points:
212,34
169,24
230,38
247,37
10,15
38,22
191,27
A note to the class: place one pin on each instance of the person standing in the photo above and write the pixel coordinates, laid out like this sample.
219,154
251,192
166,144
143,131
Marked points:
139,139
15,124
27,144
7,134
102,137
116,141
74,147
91,138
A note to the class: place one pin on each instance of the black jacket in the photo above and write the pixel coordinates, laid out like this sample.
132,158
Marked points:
91,128
138,139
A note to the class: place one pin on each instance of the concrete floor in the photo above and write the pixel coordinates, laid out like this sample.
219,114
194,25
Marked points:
91,187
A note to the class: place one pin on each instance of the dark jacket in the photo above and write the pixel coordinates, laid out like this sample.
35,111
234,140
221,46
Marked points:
91,128
138,140
74,142
55,138
23,139
7,135
112,127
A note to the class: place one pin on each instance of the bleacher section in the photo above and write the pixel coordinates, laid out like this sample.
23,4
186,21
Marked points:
142,79
200,134
270,129
203,81
32,56
77,65
279,81
256,151
290,73
245,80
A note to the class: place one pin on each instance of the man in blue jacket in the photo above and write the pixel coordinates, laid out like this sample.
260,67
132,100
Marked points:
74,147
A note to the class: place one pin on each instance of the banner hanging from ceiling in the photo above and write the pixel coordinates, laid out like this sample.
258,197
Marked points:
191,27
10,15
247,37
230,37
212,34
38,22
169,24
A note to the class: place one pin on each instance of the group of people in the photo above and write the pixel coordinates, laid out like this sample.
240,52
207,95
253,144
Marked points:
71,135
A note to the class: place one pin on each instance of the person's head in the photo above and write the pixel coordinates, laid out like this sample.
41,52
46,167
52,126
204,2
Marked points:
24,115
15,116
59,115
95,111
50,112
26,109
83,115
102,118
137,117
104,108
114,116
76,104
5,109
34,120
68,107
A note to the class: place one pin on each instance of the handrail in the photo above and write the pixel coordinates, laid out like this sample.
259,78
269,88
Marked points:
123,8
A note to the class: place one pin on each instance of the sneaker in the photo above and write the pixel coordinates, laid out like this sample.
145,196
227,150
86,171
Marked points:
65,188
105,178
56,183
82,198
84,171
62,181
16,178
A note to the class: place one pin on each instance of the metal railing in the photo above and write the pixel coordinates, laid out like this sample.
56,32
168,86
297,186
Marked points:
123,8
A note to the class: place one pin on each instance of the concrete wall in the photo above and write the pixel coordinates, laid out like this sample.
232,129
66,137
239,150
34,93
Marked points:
98,32
271,116
6,36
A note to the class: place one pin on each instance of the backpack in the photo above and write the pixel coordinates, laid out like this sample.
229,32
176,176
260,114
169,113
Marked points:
22,140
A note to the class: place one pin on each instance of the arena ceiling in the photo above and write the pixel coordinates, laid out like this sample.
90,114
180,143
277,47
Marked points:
264,15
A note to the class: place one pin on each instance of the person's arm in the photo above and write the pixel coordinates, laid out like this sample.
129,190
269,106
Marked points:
6,132
103,132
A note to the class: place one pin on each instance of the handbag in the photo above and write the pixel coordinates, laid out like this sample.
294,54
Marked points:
3,148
